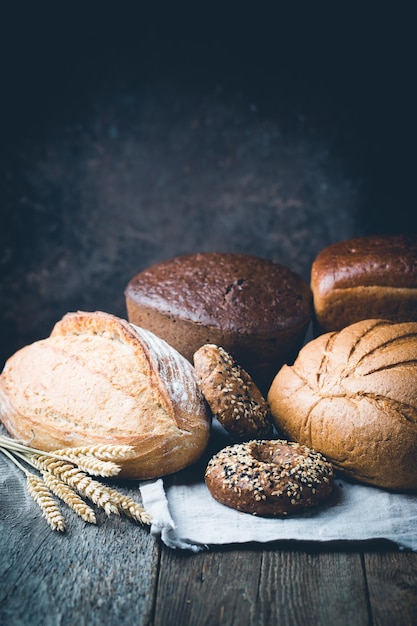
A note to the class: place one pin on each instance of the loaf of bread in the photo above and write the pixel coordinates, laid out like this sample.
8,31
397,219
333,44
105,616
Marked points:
256,309
364,278
352,395
99,380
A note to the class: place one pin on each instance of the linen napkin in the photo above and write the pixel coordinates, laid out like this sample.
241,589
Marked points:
185,516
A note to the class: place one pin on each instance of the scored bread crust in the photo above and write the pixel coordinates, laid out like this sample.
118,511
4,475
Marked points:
99,379
352,396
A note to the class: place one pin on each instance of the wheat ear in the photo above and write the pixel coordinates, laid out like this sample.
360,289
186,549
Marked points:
78,480
68,495
94,466
42,496
66,472
100,451
128,506
98,460
105,497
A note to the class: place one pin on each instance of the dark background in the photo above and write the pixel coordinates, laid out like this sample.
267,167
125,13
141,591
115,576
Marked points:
130,134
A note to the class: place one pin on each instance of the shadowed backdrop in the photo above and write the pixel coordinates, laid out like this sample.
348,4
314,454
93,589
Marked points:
130,136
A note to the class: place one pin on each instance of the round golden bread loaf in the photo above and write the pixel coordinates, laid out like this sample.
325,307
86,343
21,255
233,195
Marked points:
99,380
352,395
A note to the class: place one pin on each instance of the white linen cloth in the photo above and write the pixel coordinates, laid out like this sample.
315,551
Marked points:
185,516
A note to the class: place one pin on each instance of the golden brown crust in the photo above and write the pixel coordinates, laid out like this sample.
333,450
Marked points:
352,396
365,278
99,379
269,477
231,394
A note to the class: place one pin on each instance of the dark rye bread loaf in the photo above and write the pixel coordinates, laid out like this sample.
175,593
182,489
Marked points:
352,395
364,278
256,309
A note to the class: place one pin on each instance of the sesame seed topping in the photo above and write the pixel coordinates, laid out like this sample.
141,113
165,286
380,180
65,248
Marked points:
275,476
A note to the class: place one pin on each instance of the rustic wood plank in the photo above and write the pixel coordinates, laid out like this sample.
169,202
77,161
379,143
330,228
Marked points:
320,588
93,575
215,587
392,584
117,573
271,586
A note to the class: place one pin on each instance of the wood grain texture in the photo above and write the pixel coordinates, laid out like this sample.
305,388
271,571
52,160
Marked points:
216,587
117,573
298,587
102,574
248,586
392,584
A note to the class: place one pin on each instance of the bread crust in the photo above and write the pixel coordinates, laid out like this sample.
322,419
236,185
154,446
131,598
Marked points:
365,278
269,478
256,309
99,379
352,395
231,394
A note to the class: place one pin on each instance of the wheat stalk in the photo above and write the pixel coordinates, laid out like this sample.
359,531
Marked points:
93,466
98,460
100,451
42,496
128,506
67,474
68,495
105,497
78,480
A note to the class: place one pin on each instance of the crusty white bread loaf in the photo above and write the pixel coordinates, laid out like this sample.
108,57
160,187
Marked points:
99,379
352,395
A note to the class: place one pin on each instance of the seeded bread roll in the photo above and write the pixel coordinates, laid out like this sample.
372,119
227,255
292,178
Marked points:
256,309
365,278
269,478
231,394
99,380
352,396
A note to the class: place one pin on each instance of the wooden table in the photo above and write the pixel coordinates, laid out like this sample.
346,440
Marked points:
117,573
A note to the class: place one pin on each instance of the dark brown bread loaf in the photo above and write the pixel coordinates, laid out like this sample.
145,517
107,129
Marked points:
99,380
352,395
256,309
365,278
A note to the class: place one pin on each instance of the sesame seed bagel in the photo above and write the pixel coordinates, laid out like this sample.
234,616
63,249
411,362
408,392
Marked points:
231,394
270,478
